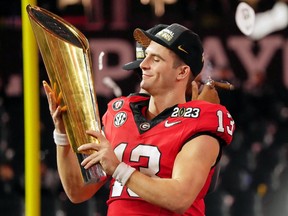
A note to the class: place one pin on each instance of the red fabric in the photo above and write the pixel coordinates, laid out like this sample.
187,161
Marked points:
153,151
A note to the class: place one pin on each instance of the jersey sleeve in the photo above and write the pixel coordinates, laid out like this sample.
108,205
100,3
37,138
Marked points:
215,119
108,117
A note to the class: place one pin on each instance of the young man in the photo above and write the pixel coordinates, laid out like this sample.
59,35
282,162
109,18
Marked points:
208,93
140,54
160,150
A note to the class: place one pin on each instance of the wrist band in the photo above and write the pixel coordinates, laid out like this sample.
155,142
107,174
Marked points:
60,139
123,172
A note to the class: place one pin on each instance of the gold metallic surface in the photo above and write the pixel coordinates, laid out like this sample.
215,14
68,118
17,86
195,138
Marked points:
66,56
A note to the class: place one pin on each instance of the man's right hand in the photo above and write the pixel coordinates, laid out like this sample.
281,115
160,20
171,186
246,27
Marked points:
56,110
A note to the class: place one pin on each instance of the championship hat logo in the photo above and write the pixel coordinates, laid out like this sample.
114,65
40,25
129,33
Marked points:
166,34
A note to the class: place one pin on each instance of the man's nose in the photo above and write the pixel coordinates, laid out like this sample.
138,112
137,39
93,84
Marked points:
144,63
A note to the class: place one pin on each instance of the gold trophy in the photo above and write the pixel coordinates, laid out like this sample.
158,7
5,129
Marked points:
66,56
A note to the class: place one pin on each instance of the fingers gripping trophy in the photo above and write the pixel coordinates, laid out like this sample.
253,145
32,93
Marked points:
66,56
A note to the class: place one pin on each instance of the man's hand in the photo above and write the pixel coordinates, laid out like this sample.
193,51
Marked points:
56,110
103,153
208,93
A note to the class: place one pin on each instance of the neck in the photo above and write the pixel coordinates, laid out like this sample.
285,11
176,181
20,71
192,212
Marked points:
158,104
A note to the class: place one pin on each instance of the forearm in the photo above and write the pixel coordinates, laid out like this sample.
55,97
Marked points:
167,193
71,178
67,162
179,192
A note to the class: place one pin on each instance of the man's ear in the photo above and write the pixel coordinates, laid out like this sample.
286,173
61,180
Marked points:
184,71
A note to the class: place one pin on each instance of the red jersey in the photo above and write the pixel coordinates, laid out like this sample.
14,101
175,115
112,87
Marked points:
151,146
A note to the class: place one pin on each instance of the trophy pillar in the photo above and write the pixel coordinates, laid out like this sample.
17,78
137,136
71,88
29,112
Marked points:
66,56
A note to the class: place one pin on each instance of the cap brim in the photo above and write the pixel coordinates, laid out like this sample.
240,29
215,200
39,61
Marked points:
144,38
132,65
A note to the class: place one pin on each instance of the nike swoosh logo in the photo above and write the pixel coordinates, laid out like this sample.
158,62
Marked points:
181,48
170,124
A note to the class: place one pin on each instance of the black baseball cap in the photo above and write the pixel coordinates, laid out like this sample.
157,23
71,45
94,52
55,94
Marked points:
181,40
140,50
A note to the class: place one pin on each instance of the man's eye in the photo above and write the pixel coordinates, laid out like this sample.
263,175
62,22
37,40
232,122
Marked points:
156,59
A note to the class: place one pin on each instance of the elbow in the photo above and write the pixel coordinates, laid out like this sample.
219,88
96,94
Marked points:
83,192
75,199
181,208
181,211
77,196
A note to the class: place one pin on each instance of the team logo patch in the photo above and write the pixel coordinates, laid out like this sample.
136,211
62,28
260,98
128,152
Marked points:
117,105
145,126
120,119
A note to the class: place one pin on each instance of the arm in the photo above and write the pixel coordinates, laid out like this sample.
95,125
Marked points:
67,163
190,171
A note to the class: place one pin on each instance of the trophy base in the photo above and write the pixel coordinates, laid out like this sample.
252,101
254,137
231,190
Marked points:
92,175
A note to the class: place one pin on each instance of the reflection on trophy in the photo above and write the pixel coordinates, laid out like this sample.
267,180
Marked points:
66,55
